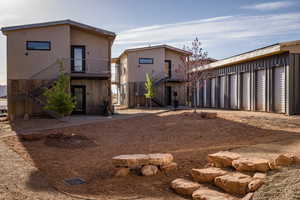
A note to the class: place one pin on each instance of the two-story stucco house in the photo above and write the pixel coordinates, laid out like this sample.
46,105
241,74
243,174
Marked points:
164,63
34,56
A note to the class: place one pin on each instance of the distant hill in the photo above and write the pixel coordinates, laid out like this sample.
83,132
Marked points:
3,90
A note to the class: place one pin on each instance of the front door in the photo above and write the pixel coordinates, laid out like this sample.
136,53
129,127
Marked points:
78,59
78,92
168,95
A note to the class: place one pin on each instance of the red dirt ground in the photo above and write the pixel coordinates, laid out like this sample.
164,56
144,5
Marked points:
187,137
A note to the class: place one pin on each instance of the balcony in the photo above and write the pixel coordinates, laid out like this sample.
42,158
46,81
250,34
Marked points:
84,68
89,68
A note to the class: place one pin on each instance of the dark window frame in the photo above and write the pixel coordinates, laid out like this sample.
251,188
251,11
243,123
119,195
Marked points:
152,59
83,58
30,49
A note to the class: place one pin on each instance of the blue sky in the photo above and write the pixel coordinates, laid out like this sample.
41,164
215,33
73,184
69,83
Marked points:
225,27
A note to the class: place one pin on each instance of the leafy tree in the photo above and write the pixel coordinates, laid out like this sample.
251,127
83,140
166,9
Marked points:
150,89
58,98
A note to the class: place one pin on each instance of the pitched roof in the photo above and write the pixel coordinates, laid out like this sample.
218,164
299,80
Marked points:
158,46
61,22
251,55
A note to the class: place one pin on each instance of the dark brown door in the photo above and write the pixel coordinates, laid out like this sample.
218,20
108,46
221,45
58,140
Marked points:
168,95
79,93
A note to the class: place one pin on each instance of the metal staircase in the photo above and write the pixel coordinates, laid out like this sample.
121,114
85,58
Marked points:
159,79
49,75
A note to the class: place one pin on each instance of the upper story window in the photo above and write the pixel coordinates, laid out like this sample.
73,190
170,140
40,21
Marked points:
38,45
146,60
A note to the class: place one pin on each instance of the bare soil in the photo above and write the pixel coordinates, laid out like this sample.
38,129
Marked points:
188,137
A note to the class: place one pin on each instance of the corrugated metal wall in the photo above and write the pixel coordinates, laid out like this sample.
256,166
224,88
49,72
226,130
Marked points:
255,98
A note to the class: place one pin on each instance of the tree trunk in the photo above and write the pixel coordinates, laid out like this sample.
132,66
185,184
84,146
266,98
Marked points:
195,100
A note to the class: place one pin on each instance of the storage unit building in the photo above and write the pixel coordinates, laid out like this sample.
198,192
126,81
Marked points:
266,79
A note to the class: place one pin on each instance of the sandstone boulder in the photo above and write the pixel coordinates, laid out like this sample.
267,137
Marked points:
131,161
235,183
122,171
32,137
207,175
184,187
223,158
255,184
160,159
297,160
149,170
284,159
208,194
272,165
169,167
251,164
211,115
249,196
260,176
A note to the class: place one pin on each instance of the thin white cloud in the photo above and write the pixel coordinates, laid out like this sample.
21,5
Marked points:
212,31
270,5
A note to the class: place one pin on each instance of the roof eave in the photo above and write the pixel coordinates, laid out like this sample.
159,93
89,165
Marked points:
5,30
259,53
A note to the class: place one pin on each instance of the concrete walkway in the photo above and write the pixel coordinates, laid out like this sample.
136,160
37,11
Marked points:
36,125
19,180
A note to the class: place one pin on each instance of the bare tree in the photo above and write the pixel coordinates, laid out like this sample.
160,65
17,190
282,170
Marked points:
196,60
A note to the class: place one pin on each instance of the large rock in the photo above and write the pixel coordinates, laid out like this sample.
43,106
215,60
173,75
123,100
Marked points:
285,159
131,161
169,167
272,165
223,158
251,164
255,184
207,175
297,159
184,187
249,196
208,194
160,158
149,170
122,171
211,115
32,137
260,176
235,183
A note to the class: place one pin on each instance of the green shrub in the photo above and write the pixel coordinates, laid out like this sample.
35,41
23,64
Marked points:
59,100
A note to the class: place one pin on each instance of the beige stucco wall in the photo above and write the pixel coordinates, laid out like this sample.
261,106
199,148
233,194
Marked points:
21,66
97,49
137,72
123,69
177,64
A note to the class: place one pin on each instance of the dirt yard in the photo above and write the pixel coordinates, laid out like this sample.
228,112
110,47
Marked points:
188,138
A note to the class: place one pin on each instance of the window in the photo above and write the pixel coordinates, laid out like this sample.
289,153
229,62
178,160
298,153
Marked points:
38,45
146,61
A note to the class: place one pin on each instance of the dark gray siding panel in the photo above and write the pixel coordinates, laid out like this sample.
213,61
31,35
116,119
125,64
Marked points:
293,96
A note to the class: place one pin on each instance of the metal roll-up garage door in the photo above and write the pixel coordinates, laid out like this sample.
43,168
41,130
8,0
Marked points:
197,93
222,91
205,93
212,93
246,91
260,90
279,90
233,91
